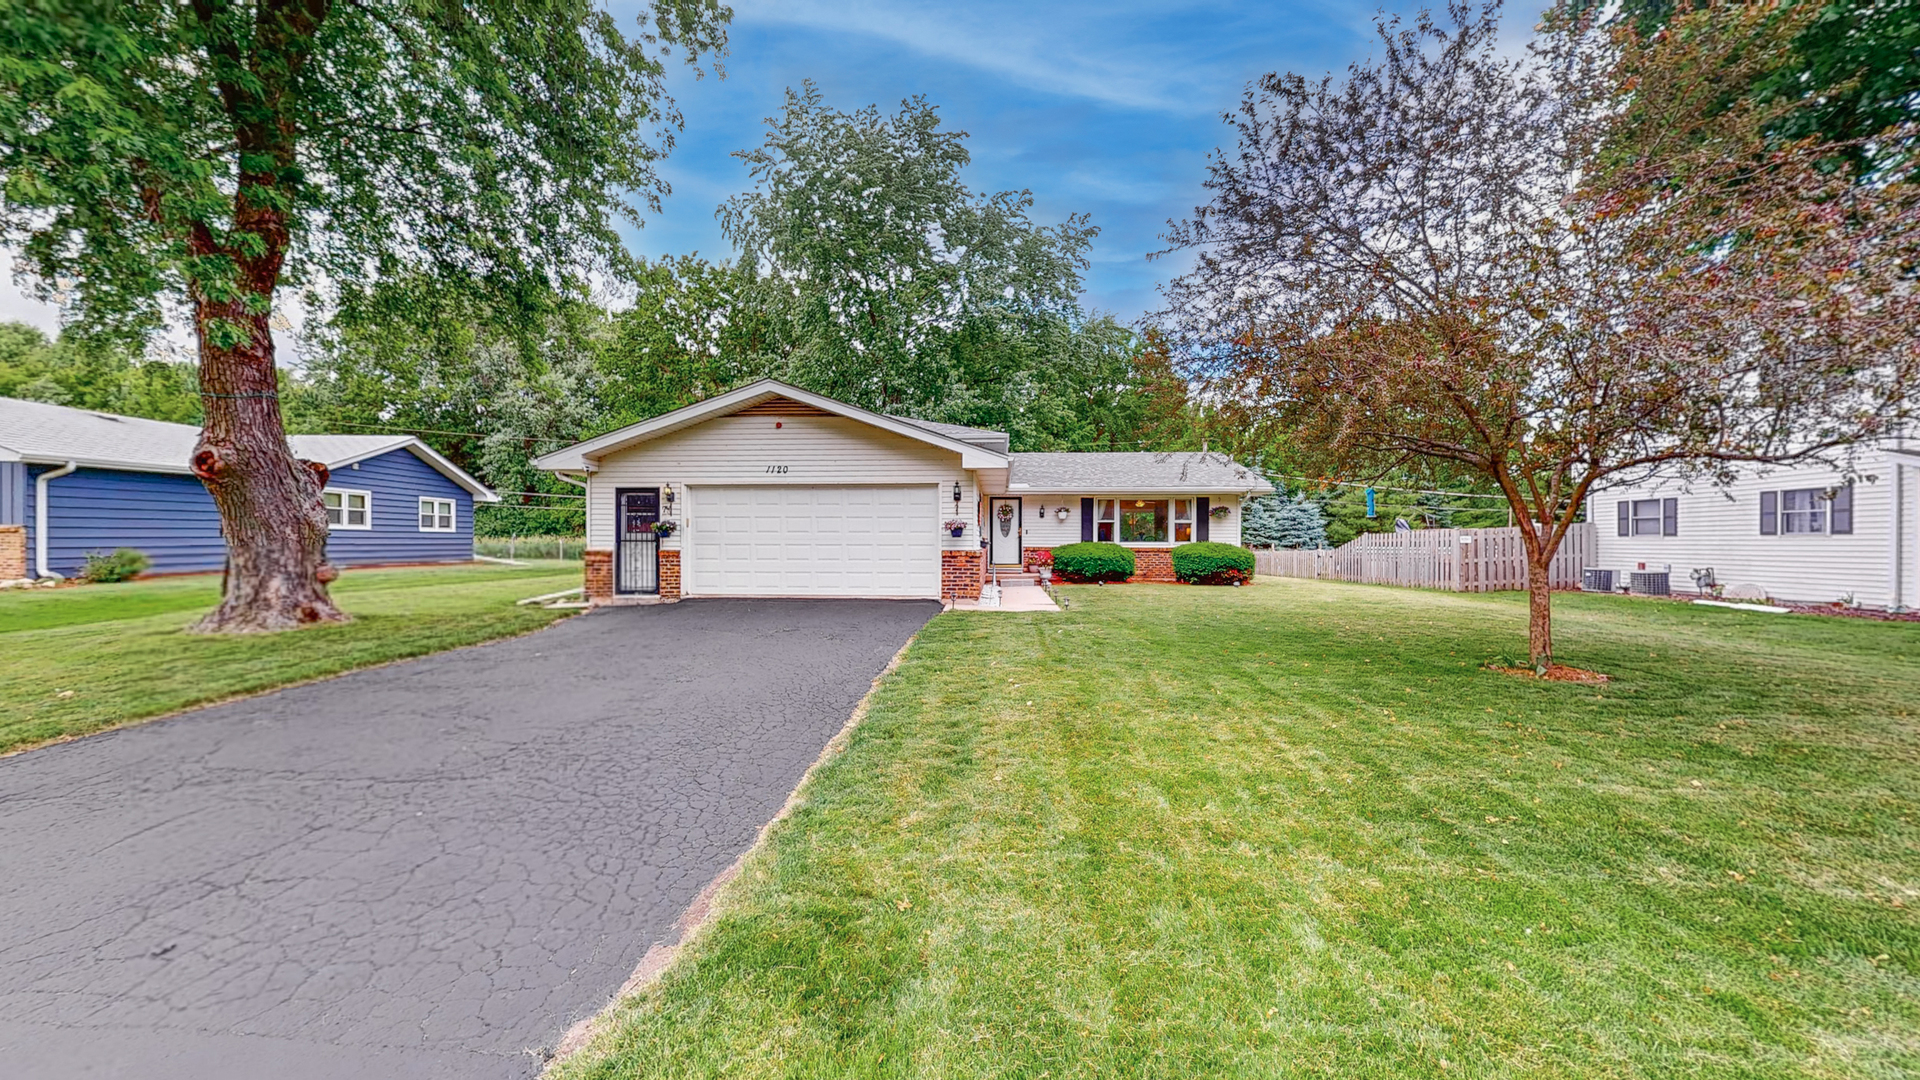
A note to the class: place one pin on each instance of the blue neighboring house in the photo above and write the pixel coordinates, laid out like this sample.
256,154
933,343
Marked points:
82,481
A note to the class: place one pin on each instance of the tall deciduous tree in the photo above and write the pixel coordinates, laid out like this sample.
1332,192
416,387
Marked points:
1573,267
872,250
215,150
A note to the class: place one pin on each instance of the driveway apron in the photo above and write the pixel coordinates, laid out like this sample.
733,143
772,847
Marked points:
429,869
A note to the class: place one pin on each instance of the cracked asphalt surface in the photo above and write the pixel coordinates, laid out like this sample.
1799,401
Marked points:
424,870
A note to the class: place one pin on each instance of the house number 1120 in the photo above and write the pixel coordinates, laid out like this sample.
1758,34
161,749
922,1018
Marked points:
777,469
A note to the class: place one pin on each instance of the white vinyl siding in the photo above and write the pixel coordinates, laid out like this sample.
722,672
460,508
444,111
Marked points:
814,541
1721,529
813,451
1049,531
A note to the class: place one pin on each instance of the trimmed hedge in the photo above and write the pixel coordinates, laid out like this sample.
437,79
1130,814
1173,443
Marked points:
1092,562
1208,563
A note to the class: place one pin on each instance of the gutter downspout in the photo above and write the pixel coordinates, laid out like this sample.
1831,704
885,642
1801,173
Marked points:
1900,527
40,517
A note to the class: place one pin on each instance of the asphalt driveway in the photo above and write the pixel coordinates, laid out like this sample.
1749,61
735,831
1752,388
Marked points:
424,870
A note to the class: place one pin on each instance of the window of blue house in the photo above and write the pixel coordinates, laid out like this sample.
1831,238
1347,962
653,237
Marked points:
348,509
436,515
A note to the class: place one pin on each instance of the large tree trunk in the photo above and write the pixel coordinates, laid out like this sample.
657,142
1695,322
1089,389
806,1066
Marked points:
270,508
1539,612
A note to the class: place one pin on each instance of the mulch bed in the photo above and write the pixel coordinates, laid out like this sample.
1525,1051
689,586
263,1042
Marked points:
1555,673
1854,612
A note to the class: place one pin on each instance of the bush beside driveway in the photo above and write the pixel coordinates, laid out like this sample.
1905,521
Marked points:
1296,829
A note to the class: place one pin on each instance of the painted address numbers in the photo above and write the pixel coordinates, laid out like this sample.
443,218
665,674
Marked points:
779,470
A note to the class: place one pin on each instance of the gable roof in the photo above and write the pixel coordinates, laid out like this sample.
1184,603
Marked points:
55,434
997,441
1138,473
584,456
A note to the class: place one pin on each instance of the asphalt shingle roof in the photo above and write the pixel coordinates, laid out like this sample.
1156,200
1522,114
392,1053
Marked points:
984,438
39,432
1131,473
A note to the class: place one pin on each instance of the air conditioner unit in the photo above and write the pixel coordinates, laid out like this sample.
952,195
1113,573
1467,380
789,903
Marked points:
1594,579
1649,583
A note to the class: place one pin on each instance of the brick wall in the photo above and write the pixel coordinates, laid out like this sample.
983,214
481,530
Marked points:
1028,555
1149,564
669,575
961,574
599,569
13,552
1152,564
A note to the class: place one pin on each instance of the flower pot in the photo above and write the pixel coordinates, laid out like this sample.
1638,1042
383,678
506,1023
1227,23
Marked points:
958,532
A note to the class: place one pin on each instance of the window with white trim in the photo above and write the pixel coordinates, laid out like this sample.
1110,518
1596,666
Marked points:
1646,517
347,509
1144,521
436,515
1803,511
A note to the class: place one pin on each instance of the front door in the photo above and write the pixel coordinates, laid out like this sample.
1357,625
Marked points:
1003,532
636,565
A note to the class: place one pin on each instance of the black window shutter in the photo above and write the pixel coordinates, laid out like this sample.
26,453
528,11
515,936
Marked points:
1626,518
1086,520
1840,521
1200,510
1769,513
1669,517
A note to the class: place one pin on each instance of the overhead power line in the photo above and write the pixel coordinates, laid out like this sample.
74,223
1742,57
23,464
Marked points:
1382,487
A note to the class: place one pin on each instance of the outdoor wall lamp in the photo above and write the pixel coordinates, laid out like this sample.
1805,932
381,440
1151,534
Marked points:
957,496
666,492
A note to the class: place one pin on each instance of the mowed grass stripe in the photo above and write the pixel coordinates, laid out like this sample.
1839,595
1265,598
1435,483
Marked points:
1296,830
87,659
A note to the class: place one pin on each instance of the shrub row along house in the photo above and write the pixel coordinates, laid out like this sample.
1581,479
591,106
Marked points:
1804,534
75,482
770,490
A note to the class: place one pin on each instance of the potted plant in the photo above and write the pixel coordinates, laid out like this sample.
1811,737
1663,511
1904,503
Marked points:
957,527
665,528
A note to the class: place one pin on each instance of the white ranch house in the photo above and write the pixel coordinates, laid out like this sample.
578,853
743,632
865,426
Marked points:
1796,534
773,491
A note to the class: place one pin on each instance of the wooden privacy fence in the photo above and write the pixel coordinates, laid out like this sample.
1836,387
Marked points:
1460,560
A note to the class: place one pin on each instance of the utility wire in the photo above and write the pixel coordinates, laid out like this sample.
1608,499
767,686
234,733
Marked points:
1381,487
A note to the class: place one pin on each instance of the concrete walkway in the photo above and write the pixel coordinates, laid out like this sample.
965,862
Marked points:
424,870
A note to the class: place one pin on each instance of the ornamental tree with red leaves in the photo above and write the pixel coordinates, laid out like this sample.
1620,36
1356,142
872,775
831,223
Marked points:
1569,268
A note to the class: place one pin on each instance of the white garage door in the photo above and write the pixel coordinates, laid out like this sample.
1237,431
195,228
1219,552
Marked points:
815,541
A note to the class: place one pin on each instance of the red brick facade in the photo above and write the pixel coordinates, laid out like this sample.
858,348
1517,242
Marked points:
599,565
961,574
669,575
1152,564
13,552
1149,564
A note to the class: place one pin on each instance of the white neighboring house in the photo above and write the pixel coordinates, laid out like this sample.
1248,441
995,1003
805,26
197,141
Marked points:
770,490
1799,533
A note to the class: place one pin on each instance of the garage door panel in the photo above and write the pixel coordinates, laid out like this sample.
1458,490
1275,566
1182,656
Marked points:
795,540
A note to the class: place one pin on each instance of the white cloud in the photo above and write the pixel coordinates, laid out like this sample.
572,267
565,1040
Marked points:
1040,47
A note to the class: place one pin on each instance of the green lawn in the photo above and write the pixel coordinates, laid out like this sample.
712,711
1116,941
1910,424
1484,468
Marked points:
1295,830
83,659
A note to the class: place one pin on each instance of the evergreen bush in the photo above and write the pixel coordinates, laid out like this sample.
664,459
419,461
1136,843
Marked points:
1210,563
124,564
1093,561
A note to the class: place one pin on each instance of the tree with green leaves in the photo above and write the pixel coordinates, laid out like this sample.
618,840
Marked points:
1851,76
207,154
871,251
87,373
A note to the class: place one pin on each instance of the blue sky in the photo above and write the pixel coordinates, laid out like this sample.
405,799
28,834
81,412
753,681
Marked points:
1104,108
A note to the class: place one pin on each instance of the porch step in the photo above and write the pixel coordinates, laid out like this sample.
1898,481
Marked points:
1013,577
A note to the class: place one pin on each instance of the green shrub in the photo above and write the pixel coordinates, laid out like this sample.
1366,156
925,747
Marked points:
513,519
1092,562
124,564
1208,563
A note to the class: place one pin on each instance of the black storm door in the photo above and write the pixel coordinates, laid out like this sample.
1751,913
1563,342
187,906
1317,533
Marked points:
636,564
